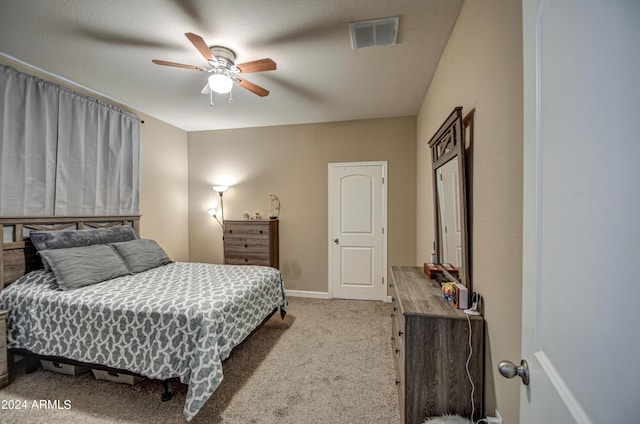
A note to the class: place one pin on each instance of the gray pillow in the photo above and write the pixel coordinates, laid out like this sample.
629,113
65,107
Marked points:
45,240
142,254
82,266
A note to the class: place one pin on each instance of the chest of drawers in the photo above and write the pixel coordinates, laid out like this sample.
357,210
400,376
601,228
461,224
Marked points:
430,342
253,242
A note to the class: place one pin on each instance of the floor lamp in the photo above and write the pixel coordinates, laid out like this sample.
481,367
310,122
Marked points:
213,211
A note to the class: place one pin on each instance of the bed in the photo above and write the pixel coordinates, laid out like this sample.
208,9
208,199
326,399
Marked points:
174,320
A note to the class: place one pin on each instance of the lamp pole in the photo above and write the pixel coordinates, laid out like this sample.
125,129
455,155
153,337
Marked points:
221,210
220,189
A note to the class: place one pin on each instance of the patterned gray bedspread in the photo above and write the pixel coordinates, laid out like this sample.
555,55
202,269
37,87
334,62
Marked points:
178,320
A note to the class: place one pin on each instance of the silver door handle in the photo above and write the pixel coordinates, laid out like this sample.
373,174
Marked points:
509,370
336,241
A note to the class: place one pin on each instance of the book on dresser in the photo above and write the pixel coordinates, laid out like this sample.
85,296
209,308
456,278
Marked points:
252,242
430,342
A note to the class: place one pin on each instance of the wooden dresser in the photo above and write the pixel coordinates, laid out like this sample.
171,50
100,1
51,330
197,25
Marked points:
251,242
430,343
4,370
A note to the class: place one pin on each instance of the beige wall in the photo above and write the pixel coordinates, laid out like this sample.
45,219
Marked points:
292,162
481,68
164,186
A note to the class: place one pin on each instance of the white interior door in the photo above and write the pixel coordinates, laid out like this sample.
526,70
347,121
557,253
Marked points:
581,234
356,230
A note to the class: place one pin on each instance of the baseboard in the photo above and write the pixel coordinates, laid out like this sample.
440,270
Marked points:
319,295
304,293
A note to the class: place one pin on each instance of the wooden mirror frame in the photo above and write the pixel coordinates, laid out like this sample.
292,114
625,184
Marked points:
446,144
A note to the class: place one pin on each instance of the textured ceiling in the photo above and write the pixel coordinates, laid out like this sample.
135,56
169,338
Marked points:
107,46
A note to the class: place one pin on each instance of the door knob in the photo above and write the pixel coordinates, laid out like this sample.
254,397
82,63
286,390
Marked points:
336,241
509,370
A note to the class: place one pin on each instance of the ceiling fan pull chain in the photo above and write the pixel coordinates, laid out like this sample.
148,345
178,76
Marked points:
211,98
230,97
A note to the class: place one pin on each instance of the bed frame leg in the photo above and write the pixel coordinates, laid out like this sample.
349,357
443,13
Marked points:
32,364
167,395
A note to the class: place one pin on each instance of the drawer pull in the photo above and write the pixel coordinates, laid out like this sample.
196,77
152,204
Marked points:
397,382
395,309
400,333
397,350
245,246
260,231
230,231
393,315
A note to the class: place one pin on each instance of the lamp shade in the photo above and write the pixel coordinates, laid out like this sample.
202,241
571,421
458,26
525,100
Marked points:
220,83
220,188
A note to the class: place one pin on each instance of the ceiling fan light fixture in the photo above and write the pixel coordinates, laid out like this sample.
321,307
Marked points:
220,83
222,69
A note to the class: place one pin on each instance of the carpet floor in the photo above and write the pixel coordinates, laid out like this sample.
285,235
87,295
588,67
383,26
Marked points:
328,361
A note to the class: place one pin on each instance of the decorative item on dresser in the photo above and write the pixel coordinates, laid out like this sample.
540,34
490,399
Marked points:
253,242
274,210
4,370
430,342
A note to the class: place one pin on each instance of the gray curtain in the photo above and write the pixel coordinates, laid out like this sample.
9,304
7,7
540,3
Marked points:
64,153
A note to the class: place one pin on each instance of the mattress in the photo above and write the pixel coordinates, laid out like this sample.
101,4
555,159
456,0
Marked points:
178,320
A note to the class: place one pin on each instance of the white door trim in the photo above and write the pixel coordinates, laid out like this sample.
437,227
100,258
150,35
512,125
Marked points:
384,165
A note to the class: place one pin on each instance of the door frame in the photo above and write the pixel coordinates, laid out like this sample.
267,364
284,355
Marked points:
384,164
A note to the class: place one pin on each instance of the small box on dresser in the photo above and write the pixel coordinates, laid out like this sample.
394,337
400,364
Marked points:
252,242
430,341
4,369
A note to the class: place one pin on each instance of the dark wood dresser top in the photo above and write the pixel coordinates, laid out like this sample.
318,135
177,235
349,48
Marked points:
422,296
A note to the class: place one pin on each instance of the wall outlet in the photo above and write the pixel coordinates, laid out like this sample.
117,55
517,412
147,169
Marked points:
494,420
498,416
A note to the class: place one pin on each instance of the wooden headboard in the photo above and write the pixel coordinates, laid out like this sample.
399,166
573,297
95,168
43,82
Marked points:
19,256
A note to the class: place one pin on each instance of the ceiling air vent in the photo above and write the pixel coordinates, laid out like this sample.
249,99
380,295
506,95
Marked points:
375,32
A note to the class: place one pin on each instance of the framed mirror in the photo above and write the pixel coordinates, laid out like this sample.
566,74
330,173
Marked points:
450,197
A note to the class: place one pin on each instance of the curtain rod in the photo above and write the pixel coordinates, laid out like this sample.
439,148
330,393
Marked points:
70,82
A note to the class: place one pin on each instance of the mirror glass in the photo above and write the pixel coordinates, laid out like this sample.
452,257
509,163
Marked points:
450,227
450,205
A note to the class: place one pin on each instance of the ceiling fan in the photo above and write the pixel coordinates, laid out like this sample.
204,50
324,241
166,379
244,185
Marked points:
222,68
